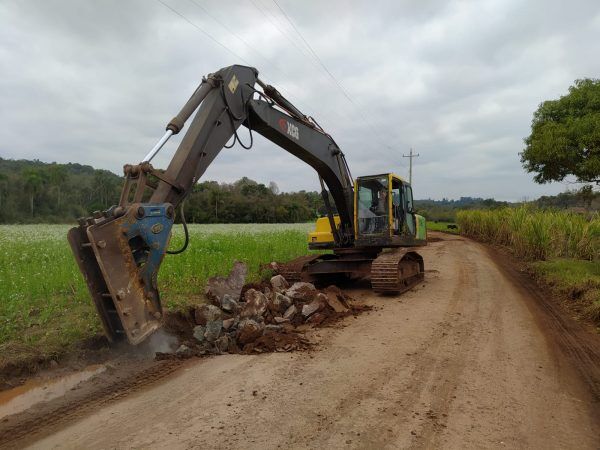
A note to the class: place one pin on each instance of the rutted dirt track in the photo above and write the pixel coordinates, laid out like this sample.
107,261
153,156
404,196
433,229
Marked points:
467,360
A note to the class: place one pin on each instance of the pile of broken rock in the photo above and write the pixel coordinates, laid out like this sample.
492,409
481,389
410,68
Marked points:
260,317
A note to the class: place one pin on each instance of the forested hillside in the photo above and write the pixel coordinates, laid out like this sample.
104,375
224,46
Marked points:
33,192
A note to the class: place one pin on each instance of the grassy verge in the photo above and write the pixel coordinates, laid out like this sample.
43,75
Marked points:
562,249
443,227
45,308
577,280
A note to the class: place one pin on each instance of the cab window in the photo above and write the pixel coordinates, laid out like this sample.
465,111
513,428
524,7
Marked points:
373,205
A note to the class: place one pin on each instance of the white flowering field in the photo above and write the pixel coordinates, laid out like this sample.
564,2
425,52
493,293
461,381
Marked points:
43,298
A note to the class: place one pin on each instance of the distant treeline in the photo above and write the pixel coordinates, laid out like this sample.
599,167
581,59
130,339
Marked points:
34,192
37,192
582,200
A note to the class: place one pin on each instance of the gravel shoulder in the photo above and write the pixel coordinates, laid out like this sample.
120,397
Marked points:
469,359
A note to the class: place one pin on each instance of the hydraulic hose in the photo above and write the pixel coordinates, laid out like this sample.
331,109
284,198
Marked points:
185,230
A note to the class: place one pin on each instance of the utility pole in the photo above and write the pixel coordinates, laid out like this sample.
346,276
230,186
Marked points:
411,155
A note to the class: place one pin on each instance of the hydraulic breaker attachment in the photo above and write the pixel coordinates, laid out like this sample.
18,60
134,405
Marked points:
119,253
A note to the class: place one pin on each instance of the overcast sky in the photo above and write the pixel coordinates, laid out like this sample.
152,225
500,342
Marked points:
95,82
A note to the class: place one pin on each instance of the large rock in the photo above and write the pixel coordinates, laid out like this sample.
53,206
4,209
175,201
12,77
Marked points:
229,305
183,350
279,303
290,312
316,305
267,292
310,308
229,323
302,291
199,333
255,306
217,287
213,330
249,330
334,290
207,313
335,303
279,283
223,343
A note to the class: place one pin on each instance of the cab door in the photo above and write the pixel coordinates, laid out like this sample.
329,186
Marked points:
397,197
409,210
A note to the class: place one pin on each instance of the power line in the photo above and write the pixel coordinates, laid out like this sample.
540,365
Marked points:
243,41
236,35
215,40
314,53
336,82
282,32
208,35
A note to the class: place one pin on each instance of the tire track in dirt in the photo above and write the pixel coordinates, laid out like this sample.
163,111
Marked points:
432,374
36,427
574,341
446,373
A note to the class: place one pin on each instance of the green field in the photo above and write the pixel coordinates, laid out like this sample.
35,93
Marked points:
442,226
45,305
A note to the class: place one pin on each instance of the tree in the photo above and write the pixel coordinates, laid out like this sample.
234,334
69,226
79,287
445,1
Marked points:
273,187
3,187
586,194
34,181
57,175
565,136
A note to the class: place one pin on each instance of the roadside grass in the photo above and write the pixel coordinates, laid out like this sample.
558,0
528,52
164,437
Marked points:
45,308
443,227
575,279
560,247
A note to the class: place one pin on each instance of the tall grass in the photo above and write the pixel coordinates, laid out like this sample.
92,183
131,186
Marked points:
535,234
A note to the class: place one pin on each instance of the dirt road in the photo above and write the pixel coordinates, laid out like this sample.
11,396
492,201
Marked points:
463,361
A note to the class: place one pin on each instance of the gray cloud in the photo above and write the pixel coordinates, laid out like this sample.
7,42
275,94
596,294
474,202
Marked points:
95,82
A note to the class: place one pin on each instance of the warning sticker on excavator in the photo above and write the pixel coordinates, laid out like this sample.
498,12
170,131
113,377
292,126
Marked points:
233,84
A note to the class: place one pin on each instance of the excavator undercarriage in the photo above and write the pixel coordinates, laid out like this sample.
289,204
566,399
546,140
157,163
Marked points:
393,271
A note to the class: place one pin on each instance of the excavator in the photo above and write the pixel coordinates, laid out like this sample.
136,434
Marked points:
371,230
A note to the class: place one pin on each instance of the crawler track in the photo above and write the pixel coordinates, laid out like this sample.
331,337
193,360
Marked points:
396,271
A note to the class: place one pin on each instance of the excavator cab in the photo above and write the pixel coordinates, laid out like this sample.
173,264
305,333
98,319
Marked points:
384,212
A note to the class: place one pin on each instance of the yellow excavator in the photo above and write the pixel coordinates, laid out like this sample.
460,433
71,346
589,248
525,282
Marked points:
371,229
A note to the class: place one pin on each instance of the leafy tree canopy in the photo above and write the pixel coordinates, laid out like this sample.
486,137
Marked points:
565,136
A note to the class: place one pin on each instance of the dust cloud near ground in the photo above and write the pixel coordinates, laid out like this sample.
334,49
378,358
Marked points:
465,360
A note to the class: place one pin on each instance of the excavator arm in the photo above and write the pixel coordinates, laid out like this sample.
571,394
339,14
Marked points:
119,251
